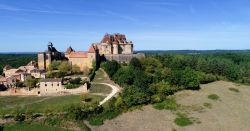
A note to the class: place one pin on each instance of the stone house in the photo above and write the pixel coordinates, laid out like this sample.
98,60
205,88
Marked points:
50,86
8,81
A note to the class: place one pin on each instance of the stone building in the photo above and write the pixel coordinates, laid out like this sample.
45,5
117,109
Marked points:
117,47
115,44
8,81
82,59
50,86
55,87
46,58
111,47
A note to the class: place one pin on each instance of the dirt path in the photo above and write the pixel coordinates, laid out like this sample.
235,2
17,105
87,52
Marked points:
115,90
229,113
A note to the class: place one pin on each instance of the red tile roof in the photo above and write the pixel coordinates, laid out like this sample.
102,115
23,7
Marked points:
92,49
115,38
78,55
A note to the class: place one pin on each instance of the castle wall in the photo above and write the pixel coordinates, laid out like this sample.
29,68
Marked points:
83,63
124,57
48,60
41,61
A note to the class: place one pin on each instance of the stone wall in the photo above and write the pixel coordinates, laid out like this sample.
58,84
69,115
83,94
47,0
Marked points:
124,57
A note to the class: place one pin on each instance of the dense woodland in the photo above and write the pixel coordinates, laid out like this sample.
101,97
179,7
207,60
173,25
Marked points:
152,79
15,60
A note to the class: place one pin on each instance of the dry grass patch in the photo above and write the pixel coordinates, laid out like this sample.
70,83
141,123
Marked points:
208,105
234,90
213,97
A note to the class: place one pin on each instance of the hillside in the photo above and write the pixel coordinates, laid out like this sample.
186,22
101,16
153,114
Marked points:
228,113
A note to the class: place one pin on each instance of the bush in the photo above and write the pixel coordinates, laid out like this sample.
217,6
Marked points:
133,96
213,97
84,97
76,81
206,78
19,117
1,127
96,121
234,90
157,98
71,86
208,105
182,120
20,84
53,121
163,88
168,104
83,112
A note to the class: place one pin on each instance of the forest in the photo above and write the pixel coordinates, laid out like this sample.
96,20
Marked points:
153,78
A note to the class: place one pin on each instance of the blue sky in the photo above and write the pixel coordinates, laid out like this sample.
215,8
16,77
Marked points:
28,25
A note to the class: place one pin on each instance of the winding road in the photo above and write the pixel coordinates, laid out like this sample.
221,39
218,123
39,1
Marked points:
112,94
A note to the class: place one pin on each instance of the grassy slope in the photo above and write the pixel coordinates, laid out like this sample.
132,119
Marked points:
31,127
99,88
41,104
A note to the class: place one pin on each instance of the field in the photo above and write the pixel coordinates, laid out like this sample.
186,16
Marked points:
226,110
41,104
100,88
101,77
31,127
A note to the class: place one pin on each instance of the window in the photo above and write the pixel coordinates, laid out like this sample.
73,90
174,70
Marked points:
52,84
57,84
45,84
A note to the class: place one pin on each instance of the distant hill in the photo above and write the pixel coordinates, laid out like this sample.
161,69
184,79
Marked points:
159,52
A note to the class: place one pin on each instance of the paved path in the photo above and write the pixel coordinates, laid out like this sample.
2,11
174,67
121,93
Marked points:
112,94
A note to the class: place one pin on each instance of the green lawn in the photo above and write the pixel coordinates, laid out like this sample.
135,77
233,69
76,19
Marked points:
31,127
99,88
41,104
100,76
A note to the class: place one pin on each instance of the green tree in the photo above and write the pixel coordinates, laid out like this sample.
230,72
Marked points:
111,67
65,67
30,82
76,69
190,79
124,76
54,65
135,63
133,96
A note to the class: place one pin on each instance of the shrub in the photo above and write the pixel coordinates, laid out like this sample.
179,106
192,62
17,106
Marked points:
182,120
208,105
1,127
168,104
156,98
20,84
19,117
213,97
84,97
71,86
206,78
53,121
95,121
76,80
133,96
234,90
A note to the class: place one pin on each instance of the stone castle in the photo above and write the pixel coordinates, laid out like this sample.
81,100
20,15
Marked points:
112,47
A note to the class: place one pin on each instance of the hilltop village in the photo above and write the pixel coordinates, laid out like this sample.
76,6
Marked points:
49,81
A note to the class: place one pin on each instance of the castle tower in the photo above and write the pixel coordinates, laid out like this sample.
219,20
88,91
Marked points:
48,60
115,49
41,61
